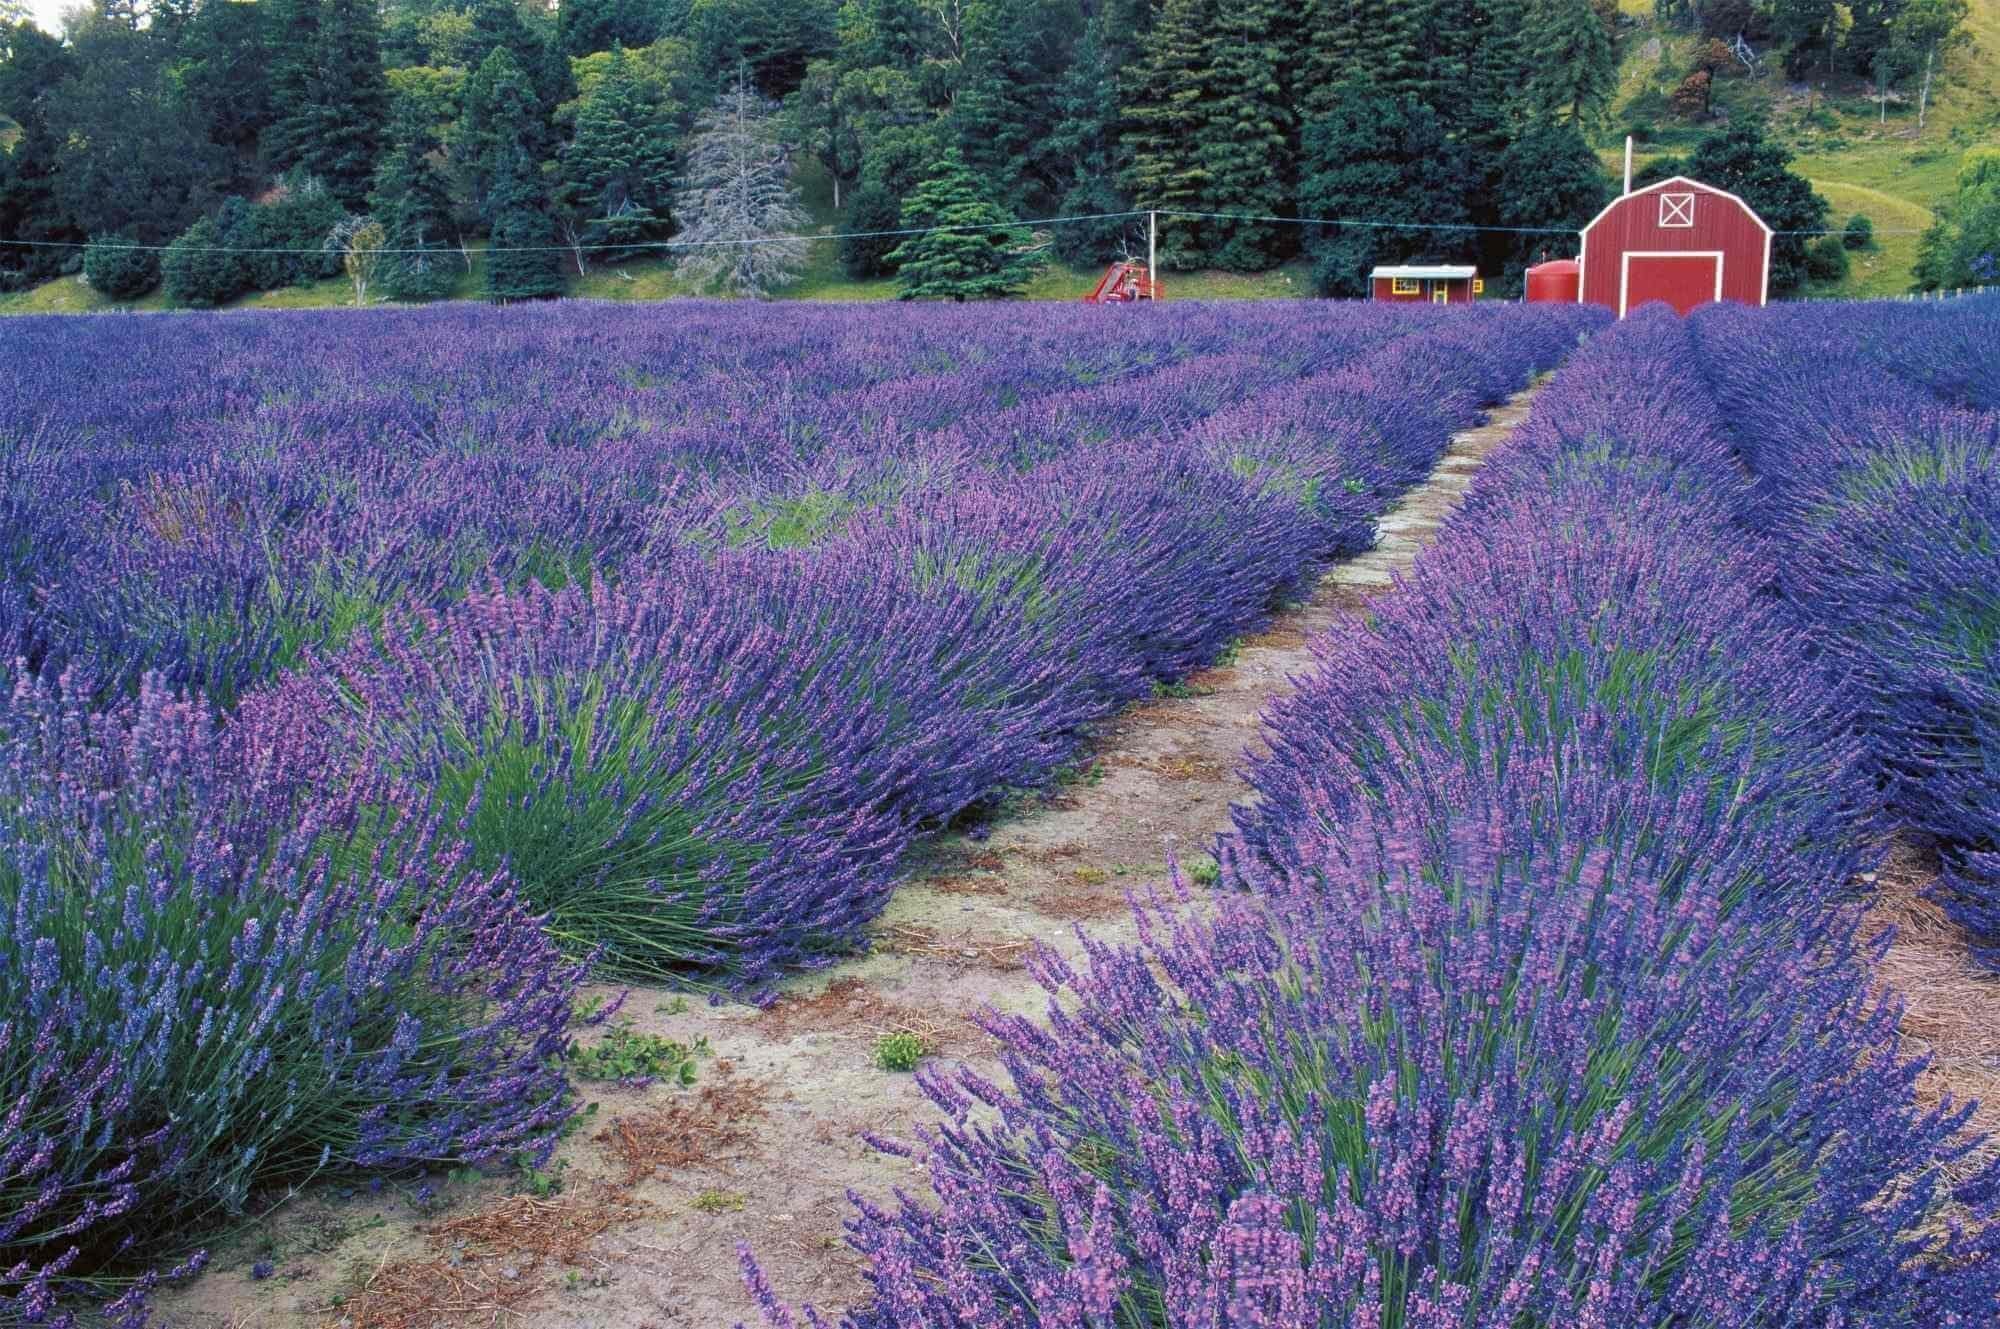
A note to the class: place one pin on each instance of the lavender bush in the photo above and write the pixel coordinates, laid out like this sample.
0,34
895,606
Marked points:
1537,999
210,983
1887,500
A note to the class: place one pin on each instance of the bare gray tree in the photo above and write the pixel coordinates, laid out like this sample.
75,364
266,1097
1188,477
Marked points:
736,204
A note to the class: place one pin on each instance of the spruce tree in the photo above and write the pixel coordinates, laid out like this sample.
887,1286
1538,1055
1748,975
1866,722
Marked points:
499,114
1572,68
1375,158
294,70
987,259
1373,44
1016,52
347,101
523,262
413,206
1165,94
616,178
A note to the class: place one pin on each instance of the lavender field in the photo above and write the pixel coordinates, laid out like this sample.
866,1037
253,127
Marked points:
384,686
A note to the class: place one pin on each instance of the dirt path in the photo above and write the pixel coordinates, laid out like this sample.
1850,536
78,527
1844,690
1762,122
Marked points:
660,1184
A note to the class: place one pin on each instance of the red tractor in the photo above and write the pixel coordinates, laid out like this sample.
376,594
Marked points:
1124,283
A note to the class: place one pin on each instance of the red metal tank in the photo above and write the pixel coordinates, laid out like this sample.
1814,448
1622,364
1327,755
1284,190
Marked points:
1559,281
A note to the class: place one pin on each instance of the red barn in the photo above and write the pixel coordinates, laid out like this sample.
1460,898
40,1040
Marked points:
1679,241
1434,283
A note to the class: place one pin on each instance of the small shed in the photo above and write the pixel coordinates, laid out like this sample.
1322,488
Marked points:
1433,283
1680,242
1558,281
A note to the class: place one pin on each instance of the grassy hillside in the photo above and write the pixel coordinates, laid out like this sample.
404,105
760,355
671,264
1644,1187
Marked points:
1862,157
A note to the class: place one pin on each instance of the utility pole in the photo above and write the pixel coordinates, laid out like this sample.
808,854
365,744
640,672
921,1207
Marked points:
1153,256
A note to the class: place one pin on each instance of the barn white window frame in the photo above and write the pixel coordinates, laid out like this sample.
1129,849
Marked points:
1677,212
1625,269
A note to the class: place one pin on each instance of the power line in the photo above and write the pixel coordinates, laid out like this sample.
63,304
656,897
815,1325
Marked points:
1357,223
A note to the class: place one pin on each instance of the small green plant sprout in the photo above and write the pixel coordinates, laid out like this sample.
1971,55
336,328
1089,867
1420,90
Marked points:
1204,871
1354,485
717,1202
900,1051
635,1059
1230,653
539,1182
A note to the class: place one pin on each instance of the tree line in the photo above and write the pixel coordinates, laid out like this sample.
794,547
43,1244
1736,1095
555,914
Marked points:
569,135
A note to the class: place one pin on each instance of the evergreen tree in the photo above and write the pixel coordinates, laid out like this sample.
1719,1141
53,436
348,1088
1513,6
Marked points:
616,180
1211,131
413,206
523,262
1549,178
1084,146
1376,158
131,156
987,261
499,115
1245,153
1373,44
1741,161
196,271
1807,28
1007,108
347,105
1164,95
739,214
32,64
870,208
117,268
1572,68
294,53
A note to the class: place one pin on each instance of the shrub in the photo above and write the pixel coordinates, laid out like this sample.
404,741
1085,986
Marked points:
1826,259
213,984
870,208
198,271
1859,233
115,269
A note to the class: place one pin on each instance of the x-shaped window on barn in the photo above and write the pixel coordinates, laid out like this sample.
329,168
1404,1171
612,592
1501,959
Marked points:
1677,210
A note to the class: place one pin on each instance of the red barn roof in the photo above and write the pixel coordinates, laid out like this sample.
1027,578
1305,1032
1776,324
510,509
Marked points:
1678,241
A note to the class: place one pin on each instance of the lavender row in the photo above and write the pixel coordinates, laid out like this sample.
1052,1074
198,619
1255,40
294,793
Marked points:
1538,999
1875,438
483,716
209,520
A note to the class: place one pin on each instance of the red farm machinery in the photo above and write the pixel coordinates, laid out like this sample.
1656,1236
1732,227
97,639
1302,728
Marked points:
1124,283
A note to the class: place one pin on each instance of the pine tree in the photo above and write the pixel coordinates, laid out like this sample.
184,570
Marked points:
499,115
1164,95
616,178
987,258
1016,52
739,214
1547,178
413,206
347,106
1572,70
294,73
523,263
1244,154
1375,158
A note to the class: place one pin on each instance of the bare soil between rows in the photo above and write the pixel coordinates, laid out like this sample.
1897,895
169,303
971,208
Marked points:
659,1185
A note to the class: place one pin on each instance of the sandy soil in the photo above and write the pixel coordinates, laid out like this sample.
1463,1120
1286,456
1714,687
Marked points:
659,1184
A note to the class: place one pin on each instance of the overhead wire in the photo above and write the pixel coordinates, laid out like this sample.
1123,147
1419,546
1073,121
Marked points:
1026,224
